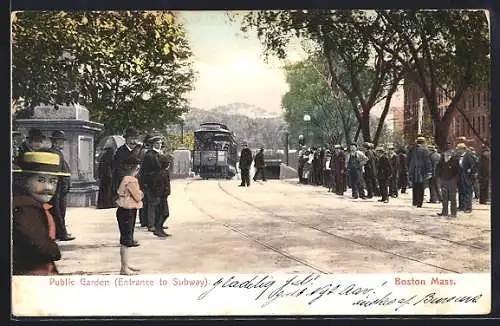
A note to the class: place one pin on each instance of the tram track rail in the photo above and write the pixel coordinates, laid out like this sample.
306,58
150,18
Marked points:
310,226
459,243
251,238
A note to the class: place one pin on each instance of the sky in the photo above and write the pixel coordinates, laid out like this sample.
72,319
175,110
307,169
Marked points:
230,67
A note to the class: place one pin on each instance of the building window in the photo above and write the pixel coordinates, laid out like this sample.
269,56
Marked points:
474,122
485,98
473,101
484,125
479,99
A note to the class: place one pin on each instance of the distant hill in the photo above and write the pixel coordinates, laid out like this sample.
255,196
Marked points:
245,109
257,131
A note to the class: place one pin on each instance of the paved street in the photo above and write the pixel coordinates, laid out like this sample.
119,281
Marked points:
281,226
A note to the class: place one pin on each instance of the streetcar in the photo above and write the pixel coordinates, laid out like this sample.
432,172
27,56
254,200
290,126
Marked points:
215,151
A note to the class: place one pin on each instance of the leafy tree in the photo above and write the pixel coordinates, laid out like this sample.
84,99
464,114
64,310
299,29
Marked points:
126,67
332,120
440,50
365,74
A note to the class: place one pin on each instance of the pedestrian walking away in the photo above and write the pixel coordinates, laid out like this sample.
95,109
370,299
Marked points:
245,164
129,200
35,179
259,164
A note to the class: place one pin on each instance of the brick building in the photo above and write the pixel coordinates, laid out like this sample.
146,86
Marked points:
474,103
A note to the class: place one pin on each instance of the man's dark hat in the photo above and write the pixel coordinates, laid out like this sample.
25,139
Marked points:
58,134
44,162
131,132
35,133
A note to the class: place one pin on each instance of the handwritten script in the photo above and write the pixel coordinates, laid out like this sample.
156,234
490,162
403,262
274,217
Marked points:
313,288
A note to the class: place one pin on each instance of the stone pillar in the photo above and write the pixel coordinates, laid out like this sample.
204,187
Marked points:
78,148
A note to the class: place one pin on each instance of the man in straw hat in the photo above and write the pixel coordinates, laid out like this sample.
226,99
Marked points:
34,231
419,170
59,201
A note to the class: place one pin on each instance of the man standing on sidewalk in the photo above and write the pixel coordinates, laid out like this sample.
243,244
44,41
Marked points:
59,201
484,175
245,163
420,170
434,189
355,161
154,166
121,155
447,171
259,165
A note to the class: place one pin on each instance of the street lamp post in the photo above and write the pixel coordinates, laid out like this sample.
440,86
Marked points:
307,118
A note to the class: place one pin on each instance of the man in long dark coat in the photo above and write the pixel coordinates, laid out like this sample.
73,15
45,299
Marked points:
245,164
340,170
143,212
121,155
370,173
59,201
105,175
154,178
447,171
259,164
355,160
484,175
403,171
394,161
384,173
420,170
467,169
434,188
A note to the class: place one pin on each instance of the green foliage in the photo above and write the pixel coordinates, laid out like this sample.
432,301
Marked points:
364,75
126,67
332,119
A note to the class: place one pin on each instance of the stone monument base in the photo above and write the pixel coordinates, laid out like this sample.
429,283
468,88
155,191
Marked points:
83,194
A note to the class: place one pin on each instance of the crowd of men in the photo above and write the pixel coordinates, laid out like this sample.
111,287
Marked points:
385,172
154,178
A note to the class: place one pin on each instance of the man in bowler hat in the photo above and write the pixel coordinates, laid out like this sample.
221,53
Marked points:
33,142
121,155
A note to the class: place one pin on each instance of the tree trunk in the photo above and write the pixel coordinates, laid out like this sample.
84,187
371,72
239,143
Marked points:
441,130
365,126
